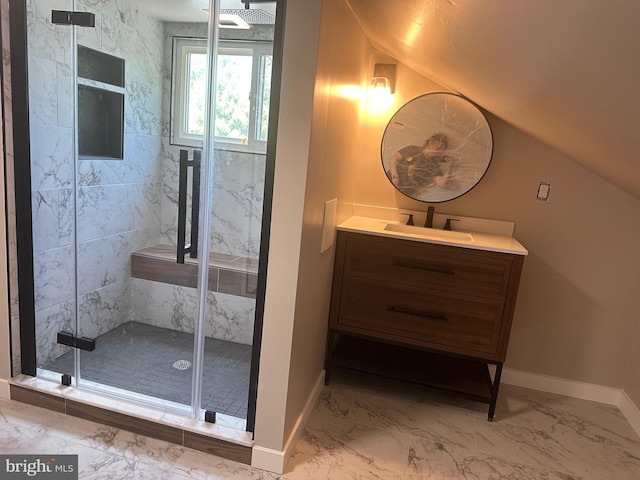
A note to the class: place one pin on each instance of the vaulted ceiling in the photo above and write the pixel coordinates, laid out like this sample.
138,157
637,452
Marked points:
565,72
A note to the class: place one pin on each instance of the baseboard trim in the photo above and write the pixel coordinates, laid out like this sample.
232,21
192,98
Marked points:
561,386
4,389
570,388
275,460
267,459
630,411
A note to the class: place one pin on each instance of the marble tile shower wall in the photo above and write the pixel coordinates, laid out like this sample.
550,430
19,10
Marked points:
236,216
228,317
122,205
236,213
118,201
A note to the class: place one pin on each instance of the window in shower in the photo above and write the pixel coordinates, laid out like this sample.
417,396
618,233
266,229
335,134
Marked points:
242,101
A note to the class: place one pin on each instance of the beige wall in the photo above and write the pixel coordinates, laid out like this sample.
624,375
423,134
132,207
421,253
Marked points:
632,380
331,174
294,341
294,131
576,316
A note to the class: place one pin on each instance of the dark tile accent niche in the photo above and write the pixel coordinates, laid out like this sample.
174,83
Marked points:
95,65
100,105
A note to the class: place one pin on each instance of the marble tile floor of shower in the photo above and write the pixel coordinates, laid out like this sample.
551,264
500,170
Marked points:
367,428
140,358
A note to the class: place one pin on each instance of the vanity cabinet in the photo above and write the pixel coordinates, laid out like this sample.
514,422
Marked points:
427,313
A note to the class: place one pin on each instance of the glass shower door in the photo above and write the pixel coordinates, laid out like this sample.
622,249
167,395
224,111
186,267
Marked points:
146,215
51,58
121,182
239,164
105,189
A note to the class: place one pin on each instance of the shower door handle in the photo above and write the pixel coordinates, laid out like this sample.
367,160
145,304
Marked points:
195,202
83,343
192,248
80,19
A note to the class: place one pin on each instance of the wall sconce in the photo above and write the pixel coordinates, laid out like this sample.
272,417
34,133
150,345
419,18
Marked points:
384,78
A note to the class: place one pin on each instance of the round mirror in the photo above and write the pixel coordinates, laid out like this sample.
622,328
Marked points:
436,147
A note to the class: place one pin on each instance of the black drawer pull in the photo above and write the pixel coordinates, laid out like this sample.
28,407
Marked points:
410,311
429,267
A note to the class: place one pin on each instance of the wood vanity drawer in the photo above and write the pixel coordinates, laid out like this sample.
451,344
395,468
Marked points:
470,272
431,314
410,314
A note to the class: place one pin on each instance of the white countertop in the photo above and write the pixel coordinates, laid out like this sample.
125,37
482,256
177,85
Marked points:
478,241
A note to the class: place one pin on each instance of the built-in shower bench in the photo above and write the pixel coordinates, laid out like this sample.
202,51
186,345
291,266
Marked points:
228,274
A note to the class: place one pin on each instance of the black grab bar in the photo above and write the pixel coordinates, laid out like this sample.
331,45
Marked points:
192,248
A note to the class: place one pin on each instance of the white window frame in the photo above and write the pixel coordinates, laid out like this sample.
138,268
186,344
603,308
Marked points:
182,47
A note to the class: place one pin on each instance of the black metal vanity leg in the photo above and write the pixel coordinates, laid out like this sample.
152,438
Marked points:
494,391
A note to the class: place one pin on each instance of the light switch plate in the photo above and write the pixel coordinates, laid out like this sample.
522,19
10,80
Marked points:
543,191
329,224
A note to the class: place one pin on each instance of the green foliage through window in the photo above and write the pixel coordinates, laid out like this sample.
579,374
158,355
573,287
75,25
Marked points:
243,90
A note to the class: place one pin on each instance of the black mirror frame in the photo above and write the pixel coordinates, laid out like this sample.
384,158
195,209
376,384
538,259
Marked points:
468,152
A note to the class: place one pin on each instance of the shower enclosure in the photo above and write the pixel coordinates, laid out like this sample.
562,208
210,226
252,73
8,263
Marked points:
118,94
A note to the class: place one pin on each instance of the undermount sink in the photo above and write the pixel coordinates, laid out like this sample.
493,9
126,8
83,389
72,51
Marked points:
430,232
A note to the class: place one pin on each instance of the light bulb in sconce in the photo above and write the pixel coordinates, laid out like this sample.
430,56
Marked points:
380,86
384,76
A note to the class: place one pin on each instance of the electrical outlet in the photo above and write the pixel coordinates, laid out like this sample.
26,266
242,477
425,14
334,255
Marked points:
543,191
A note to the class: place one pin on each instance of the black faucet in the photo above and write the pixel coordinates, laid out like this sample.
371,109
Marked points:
429,221
409,218
447,225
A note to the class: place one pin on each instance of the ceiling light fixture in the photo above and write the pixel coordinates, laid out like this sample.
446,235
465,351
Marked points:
248,2
230,21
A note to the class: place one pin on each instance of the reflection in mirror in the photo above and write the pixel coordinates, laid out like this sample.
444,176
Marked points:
436,147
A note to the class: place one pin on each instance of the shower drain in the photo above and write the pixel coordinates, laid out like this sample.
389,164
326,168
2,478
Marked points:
181,364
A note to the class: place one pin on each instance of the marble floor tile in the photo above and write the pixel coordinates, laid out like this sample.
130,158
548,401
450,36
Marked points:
433,460
198,465
544,410
309,461
336,400
365,428
583,438
15,439
144,471
413,418
355,450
